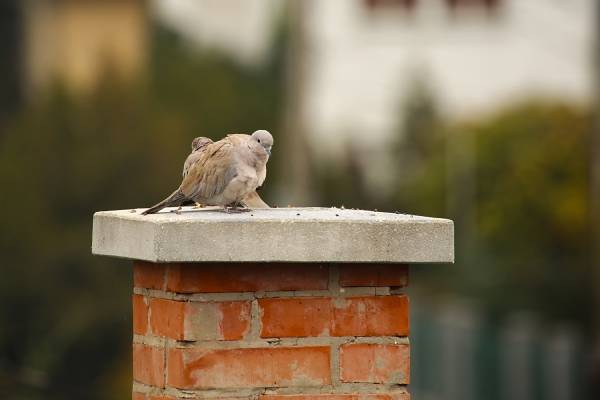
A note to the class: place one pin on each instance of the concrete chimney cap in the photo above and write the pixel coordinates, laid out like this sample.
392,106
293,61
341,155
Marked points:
273,235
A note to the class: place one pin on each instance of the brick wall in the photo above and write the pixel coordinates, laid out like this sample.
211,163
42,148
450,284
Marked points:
270,331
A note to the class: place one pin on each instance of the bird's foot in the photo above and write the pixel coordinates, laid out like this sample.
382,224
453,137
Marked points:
198,205
235,209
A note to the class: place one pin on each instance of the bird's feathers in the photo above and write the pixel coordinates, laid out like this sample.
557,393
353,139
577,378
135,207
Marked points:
221,173
210,174
176,199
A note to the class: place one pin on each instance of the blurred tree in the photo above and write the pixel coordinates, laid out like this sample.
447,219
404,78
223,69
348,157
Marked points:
418,132
521,205
529,208
516,184
295,175
10,53
594,194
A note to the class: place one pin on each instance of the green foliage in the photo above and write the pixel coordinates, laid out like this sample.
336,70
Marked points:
514,182
520,202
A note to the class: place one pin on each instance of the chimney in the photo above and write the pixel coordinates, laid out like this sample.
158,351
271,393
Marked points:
275,304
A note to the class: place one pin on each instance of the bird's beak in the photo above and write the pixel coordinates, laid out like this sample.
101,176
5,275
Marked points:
268,149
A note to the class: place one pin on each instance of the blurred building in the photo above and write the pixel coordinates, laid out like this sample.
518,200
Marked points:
243,29
76,41
352,64
362,56
475,55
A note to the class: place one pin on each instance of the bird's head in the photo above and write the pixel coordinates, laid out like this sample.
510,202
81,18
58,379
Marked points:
200,142
265,139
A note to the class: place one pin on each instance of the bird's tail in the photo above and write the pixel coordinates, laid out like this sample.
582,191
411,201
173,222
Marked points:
253,200
176,199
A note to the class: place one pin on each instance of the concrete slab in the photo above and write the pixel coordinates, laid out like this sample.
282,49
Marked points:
270,235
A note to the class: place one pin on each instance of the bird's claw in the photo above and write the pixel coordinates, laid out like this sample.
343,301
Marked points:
235,210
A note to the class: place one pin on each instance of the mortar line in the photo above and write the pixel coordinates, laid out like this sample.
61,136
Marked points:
247,296
157,341
344,388
165,360
270,342
335,364
255,321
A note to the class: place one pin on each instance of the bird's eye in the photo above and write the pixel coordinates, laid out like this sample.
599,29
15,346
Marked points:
258,140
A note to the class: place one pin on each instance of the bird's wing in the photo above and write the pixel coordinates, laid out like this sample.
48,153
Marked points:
191,160
211,173
237,138
253,200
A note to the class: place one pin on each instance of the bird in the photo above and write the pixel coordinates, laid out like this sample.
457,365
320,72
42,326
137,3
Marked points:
251,200
222,173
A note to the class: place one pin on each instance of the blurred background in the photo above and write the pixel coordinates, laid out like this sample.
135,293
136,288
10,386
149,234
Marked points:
482,111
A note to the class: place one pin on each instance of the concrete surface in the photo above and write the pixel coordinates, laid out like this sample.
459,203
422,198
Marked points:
276,234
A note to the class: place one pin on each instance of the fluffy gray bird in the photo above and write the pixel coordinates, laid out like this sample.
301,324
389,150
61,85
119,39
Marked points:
223,173
252,200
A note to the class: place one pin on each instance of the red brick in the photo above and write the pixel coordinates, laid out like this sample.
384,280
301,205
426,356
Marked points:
148,275
370,316
167,317
202,397
295,317
398,395
246,277
373,275
199,396
141,396
140,314
233,397
149,365
228,320
234,320
375,363
199,368
325,316
308,397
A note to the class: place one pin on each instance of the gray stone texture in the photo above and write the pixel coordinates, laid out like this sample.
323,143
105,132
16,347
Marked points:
276,234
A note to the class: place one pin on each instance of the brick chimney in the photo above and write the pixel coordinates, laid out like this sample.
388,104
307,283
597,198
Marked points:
278,304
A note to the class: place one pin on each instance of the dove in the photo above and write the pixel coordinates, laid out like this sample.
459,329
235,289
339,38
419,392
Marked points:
252,200
223,173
